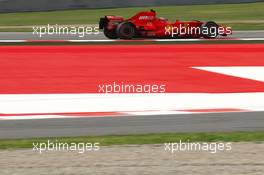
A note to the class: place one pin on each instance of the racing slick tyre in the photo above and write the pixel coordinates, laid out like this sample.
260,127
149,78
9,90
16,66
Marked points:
126,30
111,34
209,30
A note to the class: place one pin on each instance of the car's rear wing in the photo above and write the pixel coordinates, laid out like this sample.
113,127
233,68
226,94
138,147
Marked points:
105,20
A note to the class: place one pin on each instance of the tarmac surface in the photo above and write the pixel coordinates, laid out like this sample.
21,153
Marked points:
213,122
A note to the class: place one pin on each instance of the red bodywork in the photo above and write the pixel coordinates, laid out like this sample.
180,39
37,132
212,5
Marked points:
148,25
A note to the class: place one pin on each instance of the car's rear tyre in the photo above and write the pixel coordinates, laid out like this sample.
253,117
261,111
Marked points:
209,30
111,34
126,30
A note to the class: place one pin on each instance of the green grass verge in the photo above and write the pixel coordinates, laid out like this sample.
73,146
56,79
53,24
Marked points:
141,139
18,29
224,12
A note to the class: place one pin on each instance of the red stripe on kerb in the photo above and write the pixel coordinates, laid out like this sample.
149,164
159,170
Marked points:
80,69
47,41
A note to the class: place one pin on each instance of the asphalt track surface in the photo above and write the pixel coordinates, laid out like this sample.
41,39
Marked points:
48,67
100,36
218,122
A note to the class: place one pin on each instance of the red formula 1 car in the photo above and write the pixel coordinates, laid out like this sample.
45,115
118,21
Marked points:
148,25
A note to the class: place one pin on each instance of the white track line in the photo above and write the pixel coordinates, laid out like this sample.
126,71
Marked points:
249,72
249,31
13,41
148,40
252,39
81,41
173,40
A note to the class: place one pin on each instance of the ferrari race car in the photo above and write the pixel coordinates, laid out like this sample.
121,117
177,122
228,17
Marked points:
148,25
